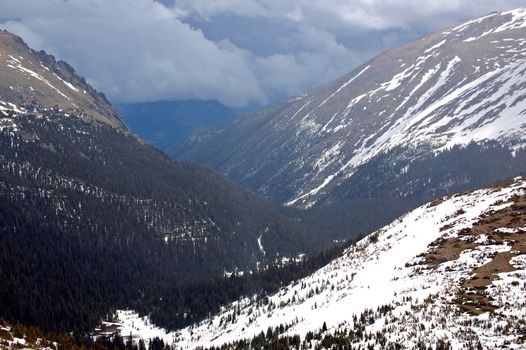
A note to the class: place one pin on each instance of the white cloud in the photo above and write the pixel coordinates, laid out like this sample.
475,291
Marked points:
208,8
352,14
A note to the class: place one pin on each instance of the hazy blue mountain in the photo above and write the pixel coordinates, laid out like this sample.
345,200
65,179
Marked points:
163,123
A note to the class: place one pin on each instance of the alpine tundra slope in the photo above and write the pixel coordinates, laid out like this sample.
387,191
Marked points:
406,125
450,273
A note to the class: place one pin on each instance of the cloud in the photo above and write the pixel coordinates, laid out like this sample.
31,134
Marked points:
352,14
234,51
136,50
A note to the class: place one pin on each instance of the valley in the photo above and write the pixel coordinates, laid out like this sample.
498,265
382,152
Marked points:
94,208
385,209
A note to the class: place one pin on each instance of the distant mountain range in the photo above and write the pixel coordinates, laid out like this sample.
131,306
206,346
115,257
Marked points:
164,123
442,114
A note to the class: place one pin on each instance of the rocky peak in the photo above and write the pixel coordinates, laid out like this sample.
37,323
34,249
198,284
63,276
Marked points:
29,76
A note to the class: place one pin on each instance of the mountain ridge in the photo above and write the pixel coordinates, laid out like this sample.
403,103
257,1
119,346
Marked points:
424,98
162,123
36,76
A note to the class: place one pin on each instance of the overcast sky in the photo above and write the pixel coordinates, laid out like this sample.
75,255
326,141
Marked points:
238,52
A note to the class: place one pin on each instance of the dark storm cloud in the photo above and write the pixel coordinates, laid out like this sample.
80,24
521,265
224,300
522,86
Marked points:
235,51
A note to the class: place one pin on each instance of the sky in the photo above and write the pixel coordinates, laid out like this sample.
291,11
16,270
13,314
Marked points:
238,52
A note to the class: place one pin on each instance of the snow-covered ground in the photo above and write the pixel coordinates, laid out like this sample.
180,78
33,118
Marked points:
9,339
386,268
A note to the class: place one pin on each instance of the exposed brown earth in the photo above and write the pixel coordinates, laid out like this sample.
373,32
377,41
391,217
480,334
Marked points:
472,297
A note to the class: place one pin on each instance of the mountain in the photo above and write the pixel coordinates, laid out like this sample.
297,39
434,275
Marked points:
92,218
163,123
450,274
27,76
442,114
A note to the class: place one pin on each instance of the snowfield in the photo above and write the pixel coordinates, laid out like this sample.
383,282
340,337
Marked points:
395,266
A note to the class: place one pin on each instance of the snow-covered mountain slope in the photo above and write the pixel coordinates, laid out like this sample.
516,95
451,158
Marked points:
452,271
28,76
464,84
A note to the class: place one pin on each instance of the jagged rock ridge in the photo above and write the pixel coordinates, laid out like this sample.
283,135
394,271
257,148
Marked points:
29,76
